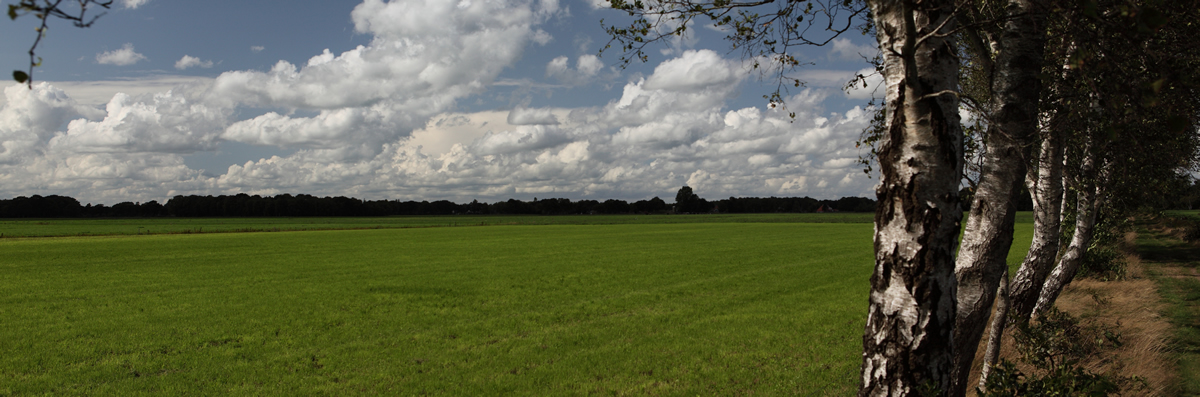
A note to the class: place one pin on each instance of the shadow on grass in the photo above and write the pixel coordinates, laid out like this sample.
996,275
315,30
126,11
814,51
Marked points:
1158,247
1175,263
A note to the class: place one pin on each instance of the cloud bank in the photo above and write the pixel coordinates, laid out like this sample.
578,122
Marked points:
348,120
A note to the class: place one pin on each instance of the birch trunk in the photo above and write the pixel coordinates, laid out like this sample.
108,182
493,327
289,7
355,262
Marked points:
995,333
1013,122
1085,220
907,347
1045,185
1047,189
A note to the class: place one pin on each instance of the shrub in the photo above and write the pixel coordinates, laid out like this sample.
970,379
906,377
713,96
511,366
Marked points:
1053,346
1102,262
1192,233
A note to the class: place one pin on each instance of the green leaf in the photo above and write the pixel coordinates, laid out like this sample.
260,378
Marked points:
1157,85
20,76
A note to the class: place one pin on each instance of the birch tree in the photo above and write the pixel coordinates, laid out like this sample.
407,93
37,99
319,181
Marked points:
1007,51
1117,97
926,317
907,347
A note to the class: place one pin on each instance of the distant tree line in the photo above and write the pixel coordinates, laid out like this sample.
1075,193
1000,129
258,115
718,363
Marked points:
243,205
686,202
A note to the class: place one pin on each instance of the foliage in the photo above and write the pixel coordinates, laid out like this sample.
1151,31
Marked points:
1192,233
1103,259
1105,263
1053,345
287,205
43,10
766,31
688,202
1186,193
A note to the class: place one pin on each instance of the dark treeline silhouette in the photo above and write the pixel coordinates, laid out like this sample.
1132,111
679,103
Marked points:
243,205
745,205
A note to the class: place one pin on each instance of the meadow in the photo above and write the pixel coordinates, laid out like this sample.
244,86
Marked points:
131,226
627,305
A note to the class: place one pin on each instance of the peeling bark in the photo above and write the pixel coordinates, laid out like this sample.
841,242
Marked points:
1013,122
907,347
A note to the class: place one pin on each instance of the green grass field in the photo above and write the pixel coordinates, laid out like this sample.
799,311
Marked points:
713,307
1183,213
133,226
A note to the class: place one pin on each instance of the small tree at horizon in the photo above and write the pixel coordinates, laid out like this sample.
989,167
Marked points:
687,201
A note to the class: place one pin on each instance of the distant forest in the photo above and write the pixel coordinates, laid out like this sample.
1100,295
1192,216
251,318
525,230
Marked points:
243,205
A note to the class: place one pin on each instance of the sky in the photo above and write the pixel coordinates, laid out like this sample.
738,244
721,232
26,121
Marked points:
415,100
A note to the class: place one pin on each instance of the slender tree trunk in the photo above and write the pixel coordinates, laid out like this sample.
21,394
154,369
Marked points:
1047,189
1045,185
1085,220
907,347
995,333
1013,122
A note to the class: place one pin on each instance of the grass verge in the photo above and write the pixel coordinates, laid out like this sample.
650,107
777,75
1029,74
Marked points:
1175,265
1132,338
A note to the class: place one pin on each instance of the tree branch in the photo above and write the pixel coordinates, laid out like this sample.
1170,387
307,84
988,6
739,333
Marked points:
43,11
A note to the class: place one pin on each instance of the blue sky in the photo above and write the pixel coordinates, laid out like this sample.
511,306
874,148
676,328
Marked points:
435,99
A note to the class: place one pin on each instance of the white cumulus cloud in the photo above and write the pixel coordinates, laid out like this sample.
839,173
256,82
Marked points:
31,117
122,57
587,67
694,71
541,37
167,122
190,61
846,50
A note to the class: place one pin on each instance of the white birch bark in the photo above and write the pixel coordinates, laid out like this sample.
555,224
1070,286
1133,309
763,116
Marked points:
1013,122
1045,185
1047,189
1085,221
907,347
